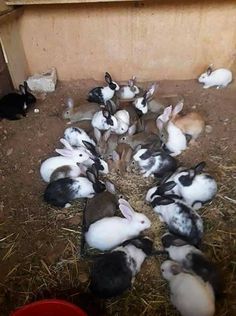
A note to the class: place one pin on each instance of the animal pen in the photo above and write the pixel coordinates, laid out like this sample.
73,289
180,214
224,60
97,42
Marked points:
166,45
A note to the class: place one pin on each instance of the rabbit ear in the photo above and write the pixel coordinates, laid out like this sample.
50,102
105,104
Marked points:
125,210
151,91
70,103
166,186
97,134
106,114
109,107
160,124
110,187
178,108
209,69
179,242
175,268
115,156
166,114
64,152
107,134
199,167
91,176
66,144
132,129
22,89
126,203
108,78
165,201
90,147
26,86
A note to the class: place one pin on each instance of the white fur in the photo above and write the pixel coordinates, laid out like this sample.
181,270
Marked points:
149,194
123,120
126,93
220,78
99,122
110,232
108,93
51,164
202,189
72,172
138,104
179,253
189,294
145,163
76,137
134,253
176,141
83,188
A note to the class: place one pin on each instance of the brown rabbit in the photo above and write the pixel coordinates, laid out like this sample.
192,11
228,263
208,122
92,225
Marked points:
121,159
83,112
106,142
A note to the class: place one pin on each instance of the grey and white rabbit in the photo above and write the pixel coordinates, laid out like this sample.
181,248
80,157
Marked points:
180,218
101,95
157,163
14,105
128,92
62,191
108,233
188,292
113,273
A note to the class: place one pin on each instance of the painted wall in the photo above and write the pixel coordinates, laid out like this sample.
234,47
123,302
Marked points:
12,46
153,39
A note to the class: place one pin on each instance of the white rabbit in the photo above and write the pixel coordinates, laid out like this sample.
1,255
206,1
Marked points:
110,232
141,103
219,78
189,293
123,121
103,120
69,156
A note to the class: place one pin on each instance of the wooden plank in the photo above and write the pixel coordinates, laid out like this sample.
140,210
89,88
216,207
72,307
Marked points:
31,2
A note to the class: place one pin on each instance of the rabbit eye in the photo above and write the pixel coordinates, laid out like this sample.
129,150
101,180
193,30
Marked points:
80,155
142,222
162,270
123,138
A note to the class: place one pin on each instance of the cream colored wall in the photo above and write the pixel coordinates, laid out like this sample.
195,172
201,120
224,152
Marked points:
10,40
153,40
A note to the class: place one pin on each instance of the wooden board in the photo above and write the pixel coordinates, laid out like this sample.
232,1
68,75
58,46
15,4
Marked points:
30,2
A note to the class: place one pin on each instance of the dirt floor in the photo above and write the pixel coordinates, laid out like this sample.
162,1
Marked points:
39,245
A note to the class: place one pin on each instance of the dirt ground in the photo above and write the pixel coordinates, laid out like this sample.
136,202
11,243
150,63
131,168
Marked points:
39,245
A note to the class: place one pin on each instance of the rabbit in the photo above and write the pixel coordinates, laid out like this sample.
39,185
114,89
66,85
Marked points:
102,94
69,156
196,187
191,124
75,137
103,120
15,105
163,188
84,111
108,233
123,121
158,163
113,273
67,171
219,78
180,218
189,293
141,103
129,91
62,191
106,142
102,205
139,139
121,159
148,126
172,138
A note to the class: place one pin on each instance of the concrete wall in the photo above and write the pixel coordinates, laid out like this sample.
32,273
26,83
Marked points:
153,40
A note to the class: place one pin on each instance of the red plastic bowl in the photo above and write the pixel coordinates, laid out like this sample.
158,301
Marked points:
49,308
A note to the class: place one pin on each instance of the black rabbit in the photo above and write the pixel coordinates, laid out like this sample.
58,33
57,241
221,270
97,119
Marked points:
15,105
